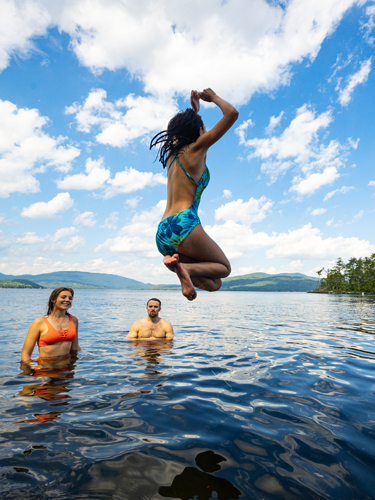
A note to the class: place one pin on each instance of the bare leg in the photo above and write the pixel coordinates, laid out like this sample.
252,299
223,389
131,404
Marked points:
203,260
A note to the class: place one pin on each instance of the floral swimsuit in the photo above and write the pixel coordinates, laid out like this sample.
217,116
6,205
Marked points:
174,229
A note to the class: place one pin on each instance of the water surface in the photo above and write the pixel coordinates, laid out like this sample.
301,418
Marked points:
259,396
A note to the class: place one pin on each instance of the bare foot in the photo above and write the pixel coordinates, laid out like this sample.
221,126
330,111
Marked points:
187,286
170,261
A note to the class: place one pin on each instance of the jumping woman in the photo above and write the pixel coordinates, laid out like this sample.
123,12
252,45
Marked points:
188,250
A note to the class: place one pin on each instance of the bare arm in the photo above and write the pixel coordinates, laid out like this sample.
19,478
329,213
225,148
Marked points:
75,346
169,334
230,115
31,339
133,332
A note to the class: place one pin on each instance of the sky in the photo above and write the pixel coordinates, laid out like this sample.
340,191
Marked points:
85,85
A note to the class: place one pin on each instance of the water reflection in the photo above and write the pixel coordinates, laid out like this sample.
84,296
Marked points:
150,351
193,483
53,385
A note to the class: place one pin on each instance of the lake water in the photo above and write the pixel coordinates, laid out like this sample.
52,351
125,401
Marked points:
259,396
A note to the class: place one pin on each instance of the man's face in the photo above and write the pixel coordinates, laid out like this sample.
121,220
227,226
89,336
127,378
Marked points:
153,308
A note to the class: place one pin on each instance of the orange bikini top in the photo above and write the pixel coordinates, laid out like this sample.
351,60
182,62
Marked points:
54,336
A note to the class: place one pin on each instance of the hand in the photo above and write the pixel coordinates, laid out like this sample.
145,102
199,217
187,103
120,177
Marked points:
207,95
194,100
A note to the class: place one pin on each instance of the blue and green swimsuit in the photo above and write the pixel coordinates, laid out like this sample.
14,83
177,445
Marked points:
174,229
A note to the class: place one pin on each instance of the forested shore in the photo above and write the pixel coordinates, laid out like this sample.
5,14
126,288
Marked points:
356,276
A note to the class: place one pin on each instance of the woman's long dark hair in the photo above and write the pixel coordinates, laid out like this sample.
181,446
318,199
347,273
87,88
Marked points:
183,129
54,295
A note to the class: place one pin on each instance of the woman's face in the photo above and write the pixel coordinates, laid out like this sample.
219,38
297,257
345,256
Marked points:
64,300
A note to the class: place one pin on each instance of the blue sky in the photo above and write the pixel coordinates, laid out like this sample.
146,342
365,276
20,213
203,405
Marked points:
84,85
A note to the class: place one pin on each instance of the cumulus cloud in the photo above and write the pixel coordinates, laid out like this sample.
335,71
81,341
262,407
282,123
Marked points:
85,219
274,122
17,31
111,221
227,193
371,183
130,180
143,115
96,177
343,190
187,45
43,210
318,211
247,212
299,147
138,237
26,149
361,76
29,238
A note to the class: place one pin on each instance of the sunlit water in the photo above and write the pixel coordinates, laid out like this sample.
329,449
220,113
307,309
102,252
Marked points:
259,396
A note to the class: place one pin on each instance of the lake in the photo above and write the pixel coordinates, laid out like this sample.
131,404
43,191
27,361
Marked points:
259,396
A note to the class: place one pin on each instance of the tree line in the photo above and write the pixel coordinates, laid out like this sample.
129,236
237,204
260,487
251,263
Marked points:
356,276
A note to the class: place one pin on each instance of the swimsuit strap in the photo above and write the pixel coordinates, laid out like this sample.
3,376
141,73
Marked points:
50,324
187,173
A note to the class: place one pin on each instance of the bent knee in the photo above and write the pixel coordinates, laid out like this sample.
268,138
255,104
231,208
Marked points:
227,271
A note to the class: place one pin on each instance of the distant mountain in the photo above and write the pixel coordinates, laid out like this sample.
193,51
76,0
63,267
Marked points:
77,279
18,283
263,282
255,282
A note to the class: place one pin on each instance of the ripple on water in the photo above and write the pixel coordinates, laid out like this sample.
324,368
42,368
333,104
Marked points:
269,396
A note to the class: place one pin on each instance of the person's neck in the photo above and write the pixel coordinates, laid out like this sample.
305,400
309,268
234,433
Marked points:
58,314
153,320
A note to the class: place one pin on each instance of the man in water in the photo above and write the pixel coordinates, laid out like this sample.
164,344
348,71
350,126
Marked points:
152,327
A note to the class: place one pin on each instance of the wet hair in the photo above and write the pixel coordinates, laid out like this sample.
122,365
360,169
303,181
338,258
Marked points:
157,300
52,298
183,129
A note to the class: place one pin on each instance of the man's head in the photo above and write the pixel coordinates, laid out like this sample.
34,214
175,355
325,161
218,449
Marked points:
153,307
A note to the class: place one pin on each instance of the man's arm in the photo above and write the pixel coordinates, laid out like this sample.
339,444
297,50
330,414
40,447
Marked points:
133,332
168,331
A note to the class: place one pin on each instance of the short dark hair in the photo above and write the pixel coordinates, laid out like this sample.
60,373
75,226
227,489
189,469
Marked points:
157,300
183,129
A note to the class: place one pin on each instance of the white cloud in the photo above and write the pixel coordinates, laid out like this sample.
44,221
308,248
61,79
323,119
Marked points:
274,122
307,242
143,115
43,210
247,212
85,219
25,149
63,233
318,211
361,76
130,180
75,244
139,236
227,193
371,183
111,221
172,47
329,222
299,147
357,216
314,181
133,202
29,238
18,30
343,190
96,177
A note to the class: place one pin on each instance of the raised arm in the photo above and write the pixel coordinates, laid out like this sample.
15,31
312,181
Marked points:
31,339
133,332
230,115
75,346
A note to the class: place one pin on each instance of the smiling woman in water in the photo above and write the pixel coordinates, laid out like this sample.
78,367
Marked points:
56,333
